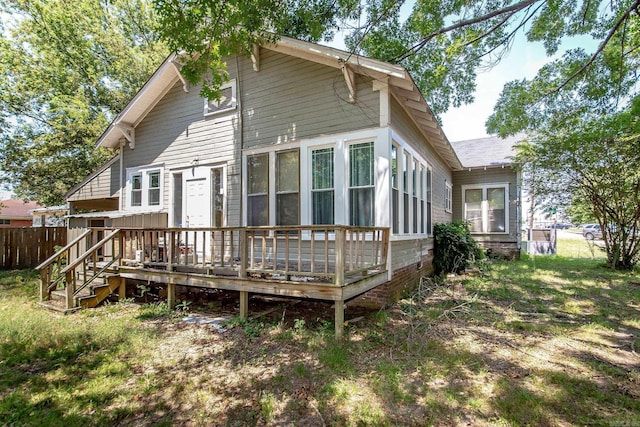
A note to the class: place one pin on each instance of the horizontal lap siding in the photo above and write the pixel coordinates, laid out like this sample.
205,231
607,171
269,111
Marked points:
405,127
409,251
291,99
104,185
176,132
488,176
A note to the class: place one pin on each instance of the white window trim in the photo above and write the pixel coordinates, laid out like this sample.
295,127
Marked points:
144,171
448,197
230,84
485,207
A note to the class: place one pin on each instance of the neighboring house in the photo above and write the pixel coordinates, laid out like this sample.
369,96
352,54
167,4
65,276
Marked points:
16,213
304,136
53,216
486,193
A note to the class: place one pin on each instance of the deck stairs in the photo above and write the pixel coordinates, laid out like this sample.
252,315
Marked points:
87,280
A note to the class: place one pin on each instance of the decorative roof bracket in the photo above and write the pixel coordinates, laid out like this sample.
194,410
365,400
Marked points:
350,80
185,84
255,57
129,133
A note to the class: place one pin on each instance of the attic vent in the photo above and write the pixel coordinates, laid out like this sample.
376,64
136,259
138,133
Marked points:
226,102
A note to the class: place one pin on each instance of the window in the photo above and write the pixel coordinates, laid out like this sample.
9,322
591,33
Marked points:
217,197
405,188
395,192
429,184
5,222
144,188
414,192
287,188
154,188
422,195
361,185
447,197
258,190
322,188
486,208
136,189
226,102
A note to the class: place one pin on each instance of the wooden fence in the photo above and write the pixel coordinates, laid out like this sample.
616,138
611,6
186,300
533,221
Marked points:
28,247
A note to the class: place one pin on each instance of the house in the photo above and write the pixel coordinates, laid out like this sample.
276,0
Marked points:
318,174
16,213
52,216
486,192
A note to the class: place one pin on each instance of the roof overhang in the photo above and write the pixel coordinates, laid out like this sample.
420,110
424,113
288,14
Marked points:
402,87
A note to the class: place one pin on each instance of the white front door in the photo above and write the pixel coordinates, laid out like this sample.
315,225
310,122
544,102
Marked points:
197,203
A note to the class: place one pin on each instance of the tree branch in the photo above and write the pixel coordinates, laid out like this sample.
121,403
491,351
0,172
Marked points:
604,43
460,24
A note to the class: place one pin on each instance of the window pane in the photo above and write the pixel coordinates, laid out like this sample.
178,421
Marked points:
361,164
154,197
136,181
362,208
406,213
258,213
429,183
217,197
225,101
473,209
287,171
136,198
394,166
154,179
322,169
287,209
496,214
396,220
258,172
323,207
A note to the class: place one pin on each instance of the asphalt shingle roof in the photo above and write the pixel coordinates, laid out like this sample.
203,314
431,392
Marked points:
489,151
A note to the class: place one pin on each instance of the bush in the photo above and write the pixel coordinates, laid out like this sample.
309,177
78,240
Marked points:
454,248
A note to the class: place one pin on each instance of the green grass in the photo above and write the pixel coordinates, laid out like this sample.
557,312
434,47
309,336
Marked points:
542,341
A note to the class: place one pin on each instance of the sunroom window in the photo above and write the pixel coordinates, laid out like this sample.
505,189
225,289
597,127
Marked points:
361,185
322,188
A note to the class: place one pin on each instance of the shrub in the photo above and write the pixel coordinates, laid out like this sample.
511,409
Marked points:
454,248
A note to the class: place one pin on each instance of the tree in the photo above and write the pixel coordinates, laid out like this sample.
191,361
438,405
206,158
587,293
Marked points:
442,43
65,70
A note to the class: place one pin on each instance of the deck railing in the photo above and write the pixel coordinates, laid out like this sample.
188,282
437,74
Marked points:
323,253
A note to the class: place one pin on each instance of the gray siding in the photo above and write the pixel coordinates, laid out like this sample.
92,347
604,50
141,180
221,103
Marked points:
488,176
292,98
409,251
403,125
104,185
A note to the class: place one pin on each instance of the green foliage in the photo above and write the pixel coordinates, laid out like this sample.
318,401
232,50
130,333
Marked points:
65,70
454,247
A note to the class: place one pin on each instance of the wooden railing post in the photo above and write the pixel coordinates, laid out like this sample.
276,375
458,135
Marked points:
244,253
44,284
70,288
339,249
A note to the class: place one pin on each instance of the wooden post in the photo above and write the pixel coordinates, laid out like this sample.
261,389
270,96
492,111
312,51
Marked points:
339,249
244,304
244,254
44,283
122,289
339,319
171,295
70,288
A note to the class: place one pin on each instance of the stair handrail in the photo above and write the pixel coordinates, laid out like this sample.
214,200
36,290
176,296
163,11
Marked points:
96,274
90,252
55,256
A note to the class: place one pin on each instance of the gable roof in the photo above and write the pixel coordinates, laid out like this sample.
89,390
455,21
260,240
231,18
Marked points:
491,151
17,209
401,85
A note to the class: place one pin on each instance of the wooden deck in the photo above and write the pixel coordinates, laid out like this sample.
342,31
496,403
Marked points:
334,263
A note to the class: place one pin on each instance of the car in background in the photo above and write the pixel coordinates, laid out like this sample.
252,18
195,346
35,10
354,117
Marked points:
560,226
592,231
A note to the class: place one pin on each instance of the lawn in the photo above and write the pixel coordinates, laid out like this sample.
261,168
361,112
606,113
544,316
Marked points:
543,341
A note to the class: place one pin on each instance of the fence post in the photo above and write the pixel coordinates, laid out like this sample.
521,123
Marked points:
69,289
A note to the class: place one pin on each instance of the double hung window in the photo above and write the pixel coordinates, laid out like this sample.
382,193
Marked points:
258,190
144,187
486,208
322,187
361,185
287,188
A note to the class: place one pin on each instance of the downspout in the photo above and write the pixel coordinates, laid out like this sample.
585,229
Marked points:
241,141
121,156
